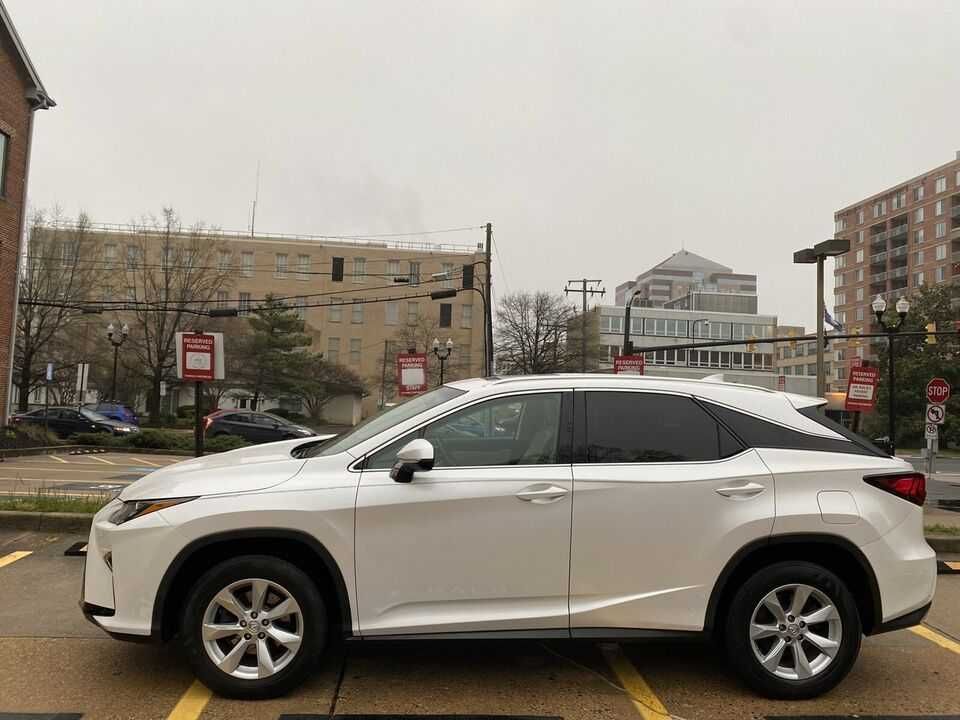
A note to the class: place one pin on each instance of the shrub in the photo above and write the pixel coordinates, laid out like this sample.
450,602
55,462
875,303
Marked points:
28,435
222,443
161,439
99,439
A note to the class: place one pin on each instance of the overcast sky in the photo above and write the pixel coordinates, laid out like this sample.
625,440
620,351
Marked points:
597,137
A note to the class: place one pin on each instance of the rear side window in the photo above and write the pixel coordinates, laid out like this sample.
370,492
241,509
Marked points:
627,427
763,434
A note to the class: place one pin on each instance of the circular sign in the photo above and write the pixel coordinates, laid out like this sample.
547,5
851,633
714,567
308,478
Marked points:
935,414
938,391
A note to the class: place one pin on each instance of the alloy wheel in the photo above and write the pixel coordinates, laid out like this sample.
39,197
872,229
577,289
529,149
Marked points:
795,631
252,629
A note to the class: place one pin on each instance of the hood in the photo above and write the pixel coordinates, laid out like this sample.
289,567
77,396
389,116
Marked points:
244,470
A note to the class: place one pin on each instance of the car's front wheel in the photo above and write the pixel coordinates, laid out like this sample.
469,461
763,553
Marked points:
793,631
253,627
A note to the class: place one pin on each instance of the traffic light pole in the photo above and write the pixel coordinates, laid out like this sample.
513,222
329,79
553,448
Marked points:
488,305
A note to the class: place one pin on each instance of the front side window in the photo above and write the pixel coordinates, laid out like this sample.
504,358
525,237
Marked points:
630,427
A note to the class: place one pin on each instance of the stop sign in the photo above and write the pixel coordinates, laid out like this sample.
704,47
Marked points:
938,391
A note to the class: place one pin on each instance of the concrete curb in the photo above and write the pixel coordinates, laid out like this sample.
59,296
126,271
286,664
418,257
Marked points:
68,449
944,543
45,522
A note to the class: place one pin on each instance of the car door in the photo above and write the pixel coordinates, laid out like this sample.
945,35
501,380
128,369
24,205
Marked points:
479,543
664,496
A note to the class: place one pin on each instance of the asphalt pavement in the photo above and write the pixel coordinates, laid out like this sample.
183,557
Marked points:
93,474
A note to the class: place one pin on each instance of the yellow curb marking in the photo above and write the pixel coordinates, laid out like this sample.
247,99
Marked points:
13,557
953,565
192,703
145,462
644,699
58,459
935,637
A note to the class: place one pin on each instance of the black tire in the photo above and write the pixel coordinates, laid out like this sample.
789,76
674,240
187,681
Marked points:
740,649
314,626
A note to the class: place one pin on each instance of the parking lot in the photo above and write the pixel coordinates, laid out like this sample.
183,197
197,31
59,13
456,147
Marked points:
94,473
53,662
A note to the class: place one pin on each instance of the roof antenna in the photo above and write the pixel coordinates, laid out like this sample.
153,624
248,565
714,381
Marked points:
256,196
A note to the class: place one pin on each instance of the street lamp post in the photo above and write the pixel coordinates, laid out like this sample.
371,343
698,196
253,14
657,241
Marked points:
111,332
693,326
442,354
817,254
879,306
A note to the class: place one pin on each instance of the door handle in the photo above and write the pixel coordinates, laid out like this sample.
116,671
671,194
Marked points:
541,494
741,492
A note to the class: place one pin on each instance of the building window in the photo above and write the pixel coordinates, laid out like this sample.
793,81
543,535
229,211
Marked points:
244,305
359,269
110,256
133,257
918,193
413,276
391,313
4,144
918,215
131,294
166,257
333,350
957,179
223,261
859,313
900,200
301,308
303,267
355,351
281,267
446,315
393,269
447,270
413,313
840,224
879,208
356,316
860,221
859,295
918,260
941,252
941,274
466,316
246,264
334,311
860,236
221,298
941,229
918,279
938,207
859,275
860,255
941,185
840,299
918,236
841,262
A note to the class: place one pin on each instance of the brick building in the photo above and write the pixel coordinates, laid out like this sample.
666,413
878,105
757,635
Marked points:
901,238
21,93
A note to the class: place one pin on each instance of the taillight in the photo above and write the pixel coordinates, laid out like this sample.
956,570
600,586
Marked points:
912,487
207,422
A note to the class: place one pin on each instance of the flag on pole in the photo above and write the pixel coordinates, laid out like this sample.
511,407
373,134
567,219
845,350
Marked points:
828,319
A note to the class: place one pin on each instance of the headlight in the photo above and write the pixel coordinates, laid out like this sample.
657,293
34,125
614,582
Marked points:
132,509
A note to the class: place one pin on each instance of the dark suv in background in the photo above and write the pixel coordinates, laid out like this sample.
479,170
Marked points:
256,427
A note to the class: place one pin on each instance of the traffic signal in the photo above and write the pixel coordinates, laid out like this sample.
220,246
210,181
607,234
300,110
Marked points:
931,328
337,269
467,277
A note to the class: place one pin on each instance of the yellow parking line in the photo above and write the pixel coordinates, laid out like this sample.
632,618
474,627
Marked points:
953,565
58,459
191,703
100,459
644,699
935,637
145,462
13,557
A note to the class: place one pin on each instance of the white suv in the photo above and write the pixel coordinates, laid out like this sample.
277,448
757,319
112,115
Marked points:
578,506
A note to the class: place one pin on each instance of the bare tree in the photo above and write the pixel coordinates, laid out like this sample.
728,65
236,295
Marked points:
170,274
55,277
539,333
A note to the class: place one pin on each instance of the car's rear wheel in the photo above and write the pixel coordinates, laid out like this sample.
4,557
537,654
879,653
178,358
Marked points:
254,627
793,631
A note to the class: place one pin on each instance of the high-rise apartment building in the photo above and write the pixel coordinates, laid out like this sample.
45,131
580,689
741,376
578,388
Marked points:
901,238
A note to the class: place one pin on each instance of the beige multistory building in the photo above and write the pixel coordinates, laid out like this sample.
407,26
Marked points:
362,300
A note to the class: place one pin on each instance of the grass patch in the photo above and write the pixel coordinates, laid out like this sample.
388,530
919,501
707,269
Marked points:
938,529
48,501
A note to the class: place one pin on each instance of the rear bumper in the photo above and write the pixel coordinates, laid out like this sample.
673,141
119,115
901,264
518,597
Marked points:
914,617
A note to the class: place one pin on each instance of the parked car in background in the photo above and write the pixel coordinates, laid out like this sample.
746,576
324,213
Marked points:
256,427
115,411
67,421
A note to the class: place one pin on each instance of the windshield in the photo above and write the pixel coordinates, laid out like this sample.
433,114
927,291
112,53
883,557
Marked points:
95,416
385,420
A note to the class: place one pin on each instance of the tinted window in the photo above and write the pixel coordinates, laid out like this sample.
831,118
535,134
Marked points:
761,433
384,458
516,430
626,427
237,417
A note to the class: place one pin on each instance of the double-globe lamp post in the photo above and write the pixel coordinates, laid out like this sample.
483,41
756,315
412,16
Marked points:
442,354
879,306
111,336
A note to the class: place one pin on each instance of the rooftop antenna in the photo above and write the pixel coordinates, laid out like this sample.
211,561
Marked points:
256,196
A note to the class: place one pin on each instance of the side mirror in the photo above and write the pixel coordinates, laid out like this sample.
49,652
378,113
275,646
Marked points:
416,455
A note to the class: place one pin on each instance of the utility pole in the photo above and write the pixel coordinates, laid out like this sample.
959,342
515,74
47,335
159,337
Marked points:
383,376
584,291
488,306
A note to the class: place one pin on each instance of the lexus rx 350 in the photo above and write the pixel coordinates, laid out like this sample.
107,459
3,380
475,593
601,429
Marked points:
583,506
